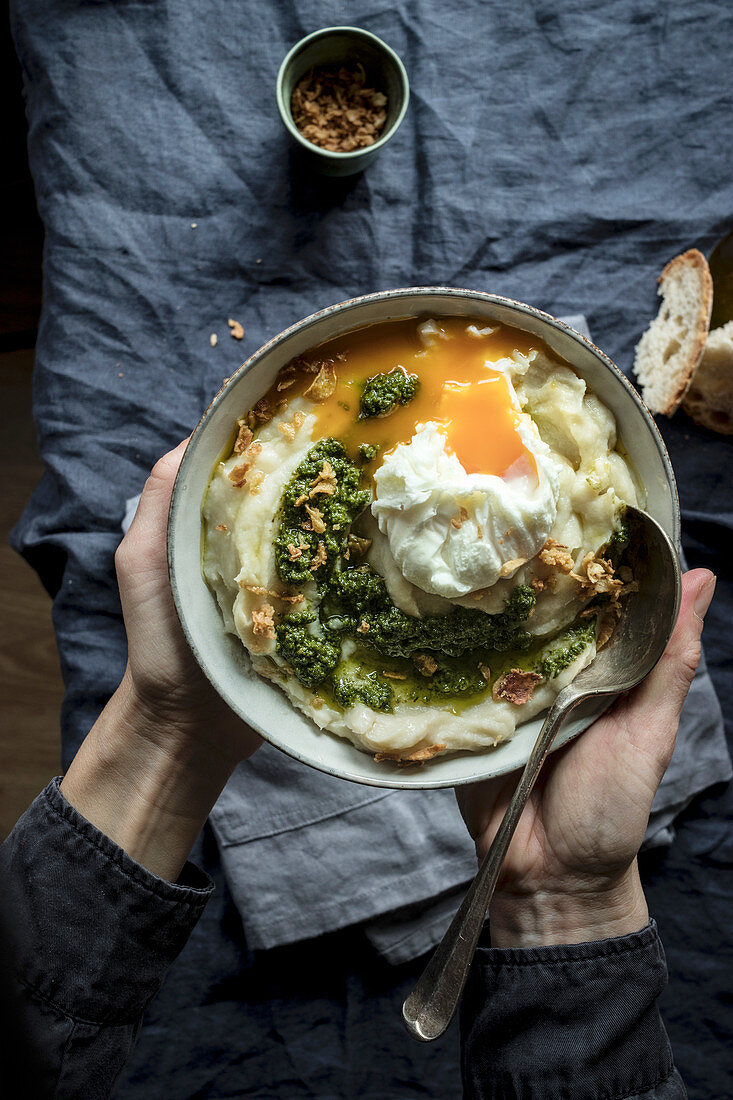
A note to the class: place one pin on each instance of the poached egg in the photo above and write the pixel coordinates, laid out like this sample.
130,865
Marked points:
473,495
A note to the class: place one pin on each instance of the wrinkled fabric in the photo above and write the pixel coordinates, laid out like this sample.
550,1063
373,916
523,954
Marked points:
604,1037
88,935
559,153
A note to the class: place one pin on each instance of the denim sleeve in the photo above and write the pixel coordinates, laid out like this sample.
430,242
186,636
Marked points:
560,1023
89,935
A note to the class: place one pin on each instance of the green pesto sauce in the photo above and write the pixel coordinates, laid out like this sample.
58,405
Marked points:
618,542
352,683
315,654
339,510
367,452
398,680
460,643
458,682
311,653
382,393
358,597
564,648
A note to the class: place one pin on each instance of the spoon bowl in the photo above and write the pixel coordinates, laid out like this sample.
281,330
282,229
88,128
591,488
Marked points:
639,640
648,618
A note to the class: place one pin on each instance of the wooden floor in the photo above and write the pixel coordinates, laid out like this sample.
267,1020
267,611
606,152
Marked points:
30,681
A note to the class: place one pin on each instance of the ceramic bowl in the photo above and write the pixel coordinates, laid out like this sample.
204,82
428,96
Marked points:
339,46
223,658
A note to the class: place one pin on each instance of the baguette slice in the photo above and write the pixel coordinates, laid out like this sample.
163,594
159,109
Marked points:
672,346
709,400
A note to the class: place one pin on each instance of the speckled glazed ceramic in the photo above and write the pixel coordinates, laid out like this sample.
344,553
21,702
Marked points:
223,658
339,46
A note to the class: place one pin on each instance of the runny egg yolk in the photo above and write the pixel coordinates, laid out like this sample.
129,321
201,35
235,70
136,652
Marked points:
481,425
459,390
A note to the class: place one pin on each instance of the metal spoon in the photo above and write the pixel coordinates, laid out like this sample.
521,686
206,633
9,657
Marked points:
635,647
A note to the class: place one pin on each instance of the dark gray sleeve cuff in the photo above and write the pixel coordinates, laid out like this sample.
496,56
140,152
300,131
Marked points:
571,1021
93,932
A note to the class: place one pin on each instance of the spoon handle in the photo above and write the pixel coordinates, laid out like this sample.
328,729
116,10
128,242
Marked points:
431,1006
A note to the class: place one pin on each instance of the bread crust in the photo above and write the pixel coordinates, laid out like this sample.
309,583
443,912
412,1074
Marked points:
665,385
709,400
694,259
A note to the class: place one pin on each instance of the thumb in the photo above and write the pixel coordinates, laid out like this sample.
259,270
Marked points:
152,510
144,544
651,713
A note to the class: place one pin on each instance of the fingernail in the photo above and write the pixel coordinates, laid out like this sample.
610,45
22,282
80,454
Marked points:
704,598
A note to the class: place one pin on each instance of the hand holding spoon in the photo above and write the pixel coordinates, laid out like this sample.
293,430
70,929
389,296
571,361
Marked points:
637,644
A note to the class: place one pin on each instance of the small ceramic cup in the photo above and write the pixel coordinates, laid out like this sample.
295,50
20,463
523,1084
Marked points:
344,46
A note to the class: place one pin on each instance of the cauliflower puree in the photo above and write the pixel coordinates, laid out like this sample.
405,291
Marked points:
419,534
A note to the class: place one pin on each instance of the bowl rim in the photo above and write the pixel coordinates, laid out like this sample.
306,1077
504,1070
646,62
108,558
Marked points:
390,781
284,108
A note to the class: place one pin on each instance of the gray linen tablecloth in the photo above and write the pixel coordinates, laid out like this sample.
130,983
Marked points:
555,151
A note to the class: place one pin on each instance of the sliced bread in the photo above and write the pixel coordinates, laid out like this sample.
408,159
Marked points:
709,400
672,346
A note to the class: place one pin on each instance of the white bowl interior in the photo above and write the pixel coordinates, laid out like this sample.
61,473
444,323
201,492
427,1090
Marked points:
223,658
